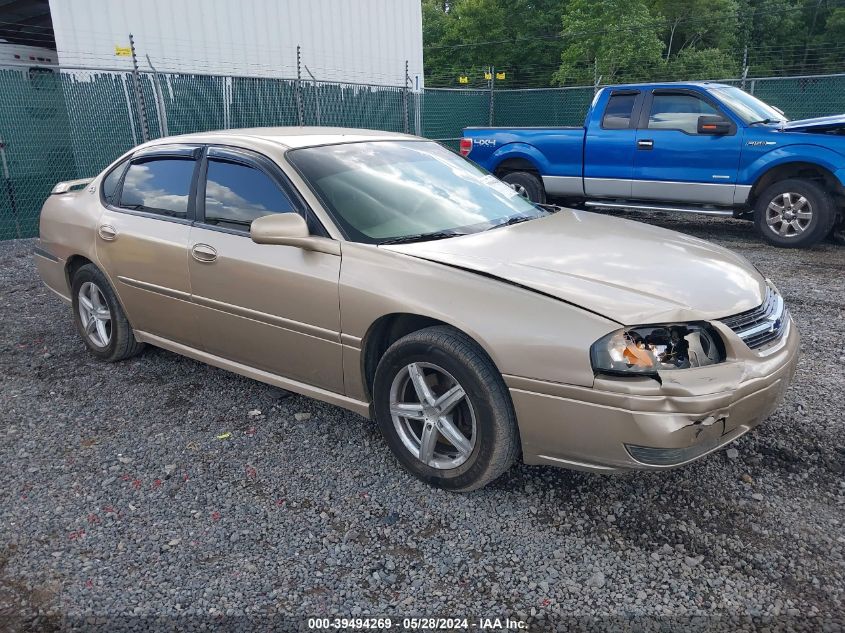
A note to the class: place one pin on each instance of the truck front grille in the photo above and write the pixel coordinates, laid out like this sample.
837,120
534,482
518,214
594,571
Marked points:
762,325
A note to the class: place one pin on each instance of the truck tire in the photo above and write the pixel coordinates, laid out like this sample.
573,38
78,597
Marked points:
528,184
794,213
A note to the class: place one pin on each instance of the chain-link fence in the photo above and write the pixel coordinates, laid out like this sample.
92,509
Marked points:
61,125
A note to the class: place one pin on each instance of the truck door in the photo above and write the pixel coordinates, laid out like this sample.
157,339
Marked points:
678,160
609,146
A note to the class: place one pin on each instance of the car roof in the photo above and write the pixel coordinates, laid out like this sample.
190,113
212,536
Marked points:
672,84
287,137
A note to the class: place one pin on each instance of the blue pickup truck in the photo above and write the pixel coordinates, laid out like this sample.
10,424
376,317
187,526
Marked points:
692,147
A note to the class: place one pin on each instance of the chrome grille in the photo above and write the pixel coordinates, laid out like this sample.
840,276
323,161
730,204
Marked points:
762,325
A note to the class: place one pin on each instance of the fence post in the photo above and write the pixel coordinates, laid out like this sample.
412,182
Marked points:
139,93
316,95
405,119
753,83
491,113
300,115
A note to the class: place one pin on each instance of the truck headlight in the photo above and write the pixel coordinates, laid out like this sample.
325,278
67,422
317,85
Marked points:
647,349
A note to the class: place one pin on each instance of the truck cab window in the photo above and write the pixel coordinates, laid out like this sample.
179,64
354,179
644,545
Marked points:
678,112
617,115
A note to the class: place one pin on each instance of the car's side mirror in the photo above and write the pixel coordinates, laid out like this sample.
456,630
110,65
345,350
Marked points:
714,125
290,229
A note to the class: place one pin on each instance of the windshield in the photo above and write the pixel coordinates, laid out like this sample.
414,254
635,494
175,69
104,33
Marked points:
746,107
387,190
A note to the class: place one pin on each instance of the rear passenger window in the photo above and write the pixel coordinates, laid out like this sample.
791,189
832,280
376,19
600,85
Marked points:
159,185
617,115
236,194
110,183
678,112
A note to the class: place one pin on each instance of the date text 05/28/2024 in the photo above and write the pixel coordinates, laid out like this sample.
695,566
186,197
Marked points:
417,624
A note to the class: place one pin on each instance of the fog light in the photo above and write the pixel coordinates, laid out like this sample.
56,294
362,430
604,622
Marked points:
670,456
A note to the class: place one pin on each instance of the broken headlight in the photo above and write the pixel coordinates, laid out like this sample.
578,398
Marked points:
648,349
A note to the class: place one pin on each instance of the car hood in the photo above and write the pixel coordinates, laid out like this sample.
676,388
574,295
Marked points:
627,271
820,124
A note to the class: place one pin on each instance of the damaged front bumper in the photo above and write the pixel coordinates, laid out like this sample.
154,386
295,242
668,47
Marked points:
642,423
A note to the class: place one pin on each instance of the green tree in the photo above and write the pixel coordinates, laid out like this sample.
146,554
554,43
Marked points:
519,37
609,41
706,63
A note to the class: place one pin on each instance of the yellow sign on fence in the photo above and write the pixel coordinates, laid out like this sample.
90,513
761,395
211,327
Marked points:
122,51
463,79
500,75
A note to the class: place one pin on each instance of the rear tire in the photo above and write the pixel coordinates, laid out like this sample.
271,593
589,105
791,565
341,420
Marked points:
99,318
527,184
446,361
794,213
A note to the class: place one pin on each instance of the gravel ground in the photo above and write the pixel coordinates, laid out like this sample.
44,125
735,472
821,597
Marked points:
162,492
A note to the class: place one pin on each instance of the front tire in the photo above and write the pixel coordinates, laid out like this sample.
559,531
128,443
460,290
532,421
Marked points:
444,410
99,318
527,184
794,213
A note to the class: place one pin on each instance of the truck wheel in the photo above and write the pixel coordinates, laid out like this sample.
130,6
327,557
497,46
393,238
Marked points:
526,184
794,213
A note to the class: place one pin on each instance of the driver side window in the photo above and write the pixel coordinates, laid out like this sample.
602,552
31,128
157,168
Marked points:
678,112
237,194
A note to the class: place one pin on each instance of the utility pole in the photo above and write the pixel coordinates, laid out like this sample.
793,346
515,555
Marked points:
491,114
300,114
744,66
139,93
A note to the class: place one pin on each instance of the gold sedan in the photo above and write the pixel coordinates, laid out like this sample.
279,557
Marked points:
384,274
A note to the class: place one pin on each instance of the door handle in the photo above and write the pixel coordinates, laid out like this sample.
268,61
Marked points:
645,143
204,253
107,232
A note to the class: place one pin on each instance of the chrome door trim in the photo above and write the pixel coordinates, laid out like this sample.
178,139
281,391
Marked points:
161,290
741,194
718,193
608,187
269,319
564,185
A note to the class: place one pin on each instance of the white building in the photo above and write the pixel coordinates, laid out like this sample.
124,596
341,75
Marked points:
360,41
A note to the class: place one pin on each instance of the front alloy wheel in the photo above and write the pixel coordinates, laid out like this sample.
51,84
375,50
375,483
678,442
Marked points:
794,213
789,214
444,409
432,415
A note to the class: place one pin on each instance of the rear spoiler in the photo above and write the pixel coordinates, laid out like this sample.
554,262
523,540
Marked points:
70,185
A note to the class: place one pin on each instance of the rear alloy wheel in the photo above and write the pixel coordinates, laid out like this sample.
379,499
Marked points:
94,315
444,409
526,184
99,317
794,213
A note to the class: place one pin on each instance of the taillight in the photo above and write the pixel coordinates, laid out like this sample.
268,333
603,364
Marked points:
466,146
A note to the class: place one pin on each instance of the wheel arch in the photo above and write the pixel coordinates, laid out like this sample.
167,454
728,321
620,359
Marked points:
75,262
72,265
518,157
388,329
805,170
